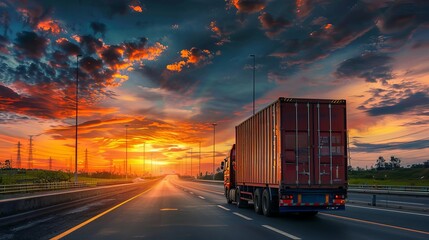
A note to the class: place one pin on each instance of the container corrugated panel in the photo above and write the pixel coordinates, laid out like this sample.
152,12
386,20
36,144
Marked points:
257,158
294,143
314,143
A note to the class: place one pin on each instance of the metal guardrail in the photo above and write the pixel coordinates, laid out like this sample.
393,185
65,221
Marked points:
362,187
36,187
390,188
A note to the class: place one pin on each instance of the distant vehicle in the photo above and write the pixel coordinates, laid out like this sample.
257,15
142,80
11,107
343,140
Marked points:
290,157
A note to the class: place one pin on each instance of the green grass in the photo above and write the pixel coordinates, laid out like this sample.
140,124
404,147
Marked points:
14,176
399,177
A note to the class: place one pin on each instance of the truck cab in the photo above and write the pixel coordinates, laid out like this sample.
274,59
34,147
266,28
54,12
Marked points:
228,165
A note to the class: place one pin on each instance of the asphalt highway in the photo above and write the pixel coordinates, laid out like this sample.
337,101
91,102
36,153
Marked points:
176,209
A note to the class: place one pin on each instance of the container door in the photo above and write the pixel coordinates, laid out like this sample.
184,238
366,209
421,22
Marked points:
296,140
313,143
329,144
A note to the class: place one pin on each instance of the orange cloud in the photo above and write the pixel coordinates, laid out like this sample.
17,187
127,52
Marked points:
49,26
193,56
136,8
150,53
248,6
219,34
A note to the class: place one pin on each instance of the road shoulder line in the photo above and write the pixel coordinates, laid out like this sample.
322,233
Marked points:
97,216
281,232
224,208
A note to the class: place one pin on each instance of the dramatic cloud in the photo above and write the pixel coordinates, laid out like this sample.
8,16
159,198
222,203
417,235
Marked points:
376,148
67,47
4,42
30,45
401,20
219,34
322,42
415,100
193,56
248,6
273,26
98,27
49,26
372,67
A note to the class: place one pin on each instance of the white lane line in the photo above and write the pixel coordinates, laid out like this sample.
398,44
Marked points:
388,210
281,232
224,208
240,215
191,192
406,203
201,197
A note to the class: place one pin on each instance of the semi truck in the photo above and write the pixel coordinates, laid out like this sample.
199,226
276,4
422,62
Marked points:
290,157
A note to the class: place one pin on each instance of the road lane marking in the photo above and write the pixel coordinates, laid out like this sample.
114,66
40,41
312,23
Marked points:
281,232
201,189
407,203
376,223
240,215
97,216
388,210
201,197
168,209
191,193
224,208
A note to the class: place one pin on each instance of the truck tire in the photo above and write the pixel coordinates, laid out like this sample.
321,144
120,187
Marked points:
228,199
257,201
240,203
267,205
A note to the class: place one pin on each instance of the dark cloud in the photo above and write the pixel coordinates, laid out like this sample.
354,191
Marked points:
248,6
98,27
68,47
372,67
4,42
112,56
90,44
409,145
10,118
320,43
273,26
30,45
400,21
413,101
417,123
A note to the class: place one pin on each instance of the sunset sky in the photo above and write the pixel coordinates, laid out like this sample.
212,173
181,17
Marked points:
169,69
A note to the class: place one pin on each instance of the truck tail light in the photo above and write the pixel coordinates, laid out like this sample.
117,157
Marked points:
287,197
339,196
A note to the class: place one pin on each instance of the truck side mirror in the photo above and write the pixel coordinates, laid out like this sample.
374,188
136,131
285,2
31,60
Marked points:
222,165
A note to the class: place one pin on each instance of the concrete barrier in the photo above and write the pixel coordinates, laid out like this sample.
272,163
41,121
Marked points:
24,204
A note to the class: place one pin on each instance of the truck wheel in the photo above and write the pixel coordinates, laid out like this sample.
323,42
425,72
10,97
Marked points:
240,203
228,199
266,204
257,201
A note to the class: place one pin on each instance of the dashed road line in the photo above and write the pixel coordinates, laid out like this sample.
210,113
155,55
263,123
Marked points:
224,208
191,193
281,232
242,216
201,197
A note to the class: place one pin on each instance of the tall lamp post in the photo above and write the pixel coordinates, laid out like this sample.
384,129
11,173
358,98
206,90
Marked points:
77,112
126,151
214,147
254,69
199,162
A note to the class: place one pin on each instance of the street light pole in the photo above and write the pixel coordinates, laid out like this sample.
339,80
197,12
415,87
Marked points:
77,112
254,69
199,162
126,151
214,147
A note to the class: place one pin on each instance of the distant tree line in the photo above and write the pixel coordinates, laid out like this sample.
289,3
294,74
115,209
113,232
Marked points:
382,164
